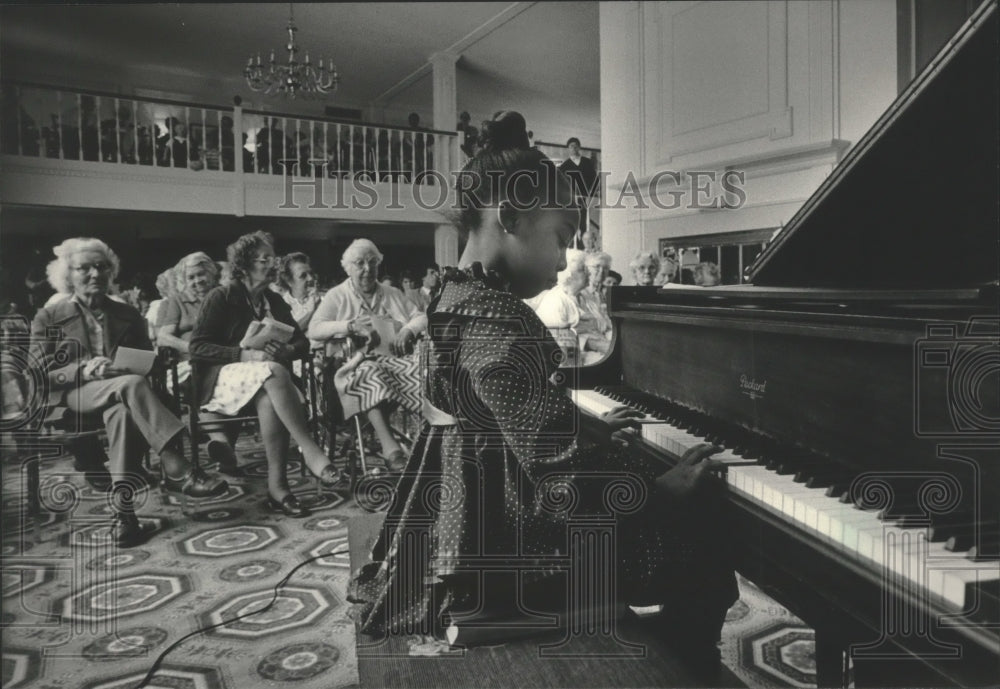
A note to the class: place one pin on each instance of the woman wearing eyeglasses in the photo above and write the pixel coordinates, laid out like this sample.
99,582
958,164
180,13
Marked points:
75,342
234,378
351,310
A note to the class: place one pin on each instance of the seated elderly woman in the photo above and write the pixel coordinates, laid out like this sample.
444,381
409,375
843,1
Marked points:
194,276
558,309
707,274
670,273
235,377
296,284
76,341
165,286
594,329
355,308
645,266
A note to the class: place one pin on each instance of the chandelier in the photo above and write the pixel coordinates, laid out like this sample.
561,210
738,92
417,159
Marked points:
294,78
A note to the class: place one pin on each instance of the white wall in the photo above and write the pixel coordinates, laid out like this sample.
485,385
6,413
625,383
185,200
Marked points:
776,89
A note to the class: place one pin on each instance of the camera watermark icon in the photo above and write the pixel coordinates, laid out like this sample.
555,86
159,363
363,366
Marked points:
957,380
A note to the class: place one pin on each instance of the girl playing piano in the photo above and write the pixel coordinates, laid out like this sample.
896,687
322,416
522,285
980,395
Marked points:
499,454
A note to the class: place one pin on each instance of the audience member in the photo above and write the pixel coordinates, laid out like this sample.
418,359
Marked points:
706,274
595,325
612,280
233,377
669,273
78,364
583,174
645,267
558,308
469,133
296,284
165,286
357,308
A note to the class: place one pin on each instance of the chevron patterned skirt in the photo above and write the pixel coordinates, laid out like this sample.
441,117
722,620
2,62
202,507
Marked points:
381,379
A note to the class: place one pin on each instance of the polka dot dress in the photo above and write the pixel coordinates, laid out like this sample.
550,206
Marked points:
508,481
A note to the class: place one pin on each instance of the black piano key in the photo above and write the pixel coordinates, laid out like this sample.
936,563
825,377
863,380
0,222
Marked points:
939,533
824,475
961,541
838,489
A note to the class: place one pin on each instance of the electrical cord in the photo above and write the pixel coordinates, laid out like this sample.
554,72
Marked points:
274,598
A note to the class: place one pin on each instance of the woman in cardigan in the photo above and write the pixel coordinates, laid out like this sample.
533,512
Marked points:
350,310
235,377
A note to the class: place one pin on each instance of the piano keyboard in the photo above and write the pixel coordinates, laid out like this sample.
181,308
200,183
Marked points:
941,561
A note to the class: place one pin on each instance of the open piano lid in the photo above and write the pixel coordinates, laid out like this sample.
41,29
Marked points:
914,205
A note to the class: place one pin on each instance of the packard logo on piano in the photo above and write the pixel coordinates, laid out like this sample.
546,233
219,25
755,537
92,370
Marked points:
754,389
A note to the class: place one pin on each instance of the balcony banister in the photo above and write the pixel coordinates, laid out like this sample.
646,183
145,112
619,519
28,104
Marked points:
111,94
351,123
563,145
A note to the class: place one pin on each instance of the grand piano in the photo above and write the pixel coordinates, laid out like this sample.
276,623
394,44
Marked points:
853,387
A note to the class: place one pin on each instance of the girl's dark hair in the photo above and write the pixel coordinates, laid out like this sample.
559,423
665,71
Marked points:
243,251
285,269
506,168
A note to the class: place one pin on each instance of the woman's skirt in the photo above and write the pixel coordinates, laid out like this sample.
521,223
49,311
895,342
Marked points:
380,379
236,386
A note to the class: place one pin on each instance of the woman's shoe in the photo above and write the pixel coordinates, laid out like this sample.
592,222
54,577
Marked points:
195,484
289,506
329,477
222,453
395,461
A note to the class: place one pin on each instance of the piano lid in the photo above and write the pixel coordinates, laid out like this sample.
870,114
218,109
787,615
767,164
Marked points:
914,205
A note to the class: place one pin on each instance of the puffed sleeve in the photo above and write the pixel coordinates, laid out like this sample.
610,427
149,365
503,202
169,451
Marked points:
503,387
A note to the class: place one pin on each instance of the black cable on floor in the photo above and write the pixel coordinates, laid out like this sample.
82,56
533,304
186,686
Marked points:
277,587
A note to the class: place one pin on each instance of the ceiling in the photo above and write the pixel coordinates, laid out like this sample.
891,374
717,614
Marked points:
542,58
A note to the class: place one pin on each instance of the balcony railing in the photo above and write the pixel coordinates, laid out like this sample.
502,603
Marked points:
47,122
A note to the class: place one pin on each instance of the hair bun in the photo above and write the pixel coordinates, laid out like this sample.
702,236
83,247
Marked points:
506,131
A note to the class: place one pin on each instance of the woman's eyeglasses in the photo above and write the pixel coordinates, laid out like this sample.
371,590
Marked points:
85,268
266,260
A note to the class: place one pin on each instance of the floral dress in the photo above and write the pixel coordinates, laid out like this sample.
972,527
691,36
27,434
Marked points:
498,475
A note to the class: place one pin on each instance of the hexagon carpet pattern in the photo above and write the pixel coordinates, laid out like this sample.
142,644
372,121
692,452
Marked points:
79,614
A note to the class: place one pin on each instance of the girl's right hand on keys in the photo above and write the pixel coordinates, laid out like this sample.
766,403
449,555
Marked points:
691,471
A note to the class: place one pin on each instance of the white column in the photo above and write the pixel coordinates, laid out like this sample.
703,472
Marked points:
446,245
445,107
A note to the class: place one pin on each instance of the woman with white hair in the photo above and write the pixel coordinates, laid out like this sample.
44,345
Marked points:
594,328
558,308
194,277
76,341
355,309
645,266
165,286
669,274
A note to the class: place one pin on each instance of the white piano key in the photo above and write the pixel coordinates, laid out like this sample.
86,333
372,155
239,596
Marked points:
950,579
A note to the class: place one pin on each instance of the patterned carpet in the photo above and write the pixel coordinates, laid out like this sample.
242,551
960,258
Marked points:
77,614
